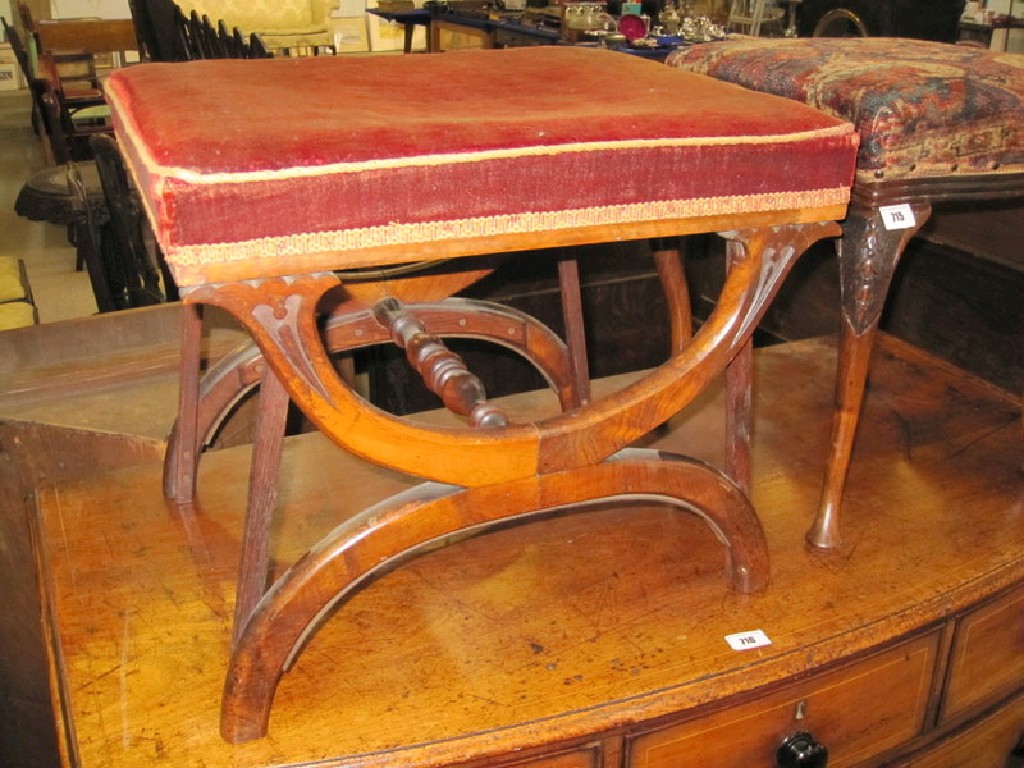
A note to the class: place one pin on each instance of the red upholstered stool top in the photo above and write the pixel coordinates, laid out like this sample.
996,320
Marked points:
279,166
923,109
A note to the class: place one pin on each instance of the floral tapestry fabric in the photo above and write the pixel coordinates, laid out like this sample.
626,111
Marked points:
922,108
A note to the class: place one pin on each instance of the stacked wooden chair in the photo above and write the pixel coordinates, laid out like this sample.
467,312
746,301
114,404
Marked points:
167,33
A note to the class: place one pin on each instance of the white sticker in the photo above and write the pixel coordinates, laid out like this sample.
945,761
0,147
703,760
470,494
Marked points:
897,216
742,641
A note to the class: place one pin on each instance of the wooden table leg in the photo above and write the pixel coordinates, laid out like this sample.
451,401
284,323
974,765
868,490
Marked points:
868,254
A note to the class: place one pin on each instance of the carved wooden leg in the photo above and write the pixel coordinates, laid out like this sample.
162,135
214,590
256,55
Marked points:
296,604
183,444
236,374
738,376
739,415
868,254
263,471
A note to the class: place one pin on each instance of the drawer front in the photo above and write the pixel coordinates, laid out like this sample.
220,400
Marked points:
857,711
986,743
987,660
583,758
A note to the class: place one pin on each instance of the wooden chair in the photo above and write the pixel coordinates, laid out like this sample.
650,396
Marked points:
79,109
109,234
67,51
161,30
50,194
290,26
104,280
142,275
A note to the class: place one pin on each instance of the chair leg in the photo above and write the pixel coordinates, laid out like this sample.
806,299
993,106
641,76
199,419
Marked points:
253,565
575,337
851,379
669,260
868,253
180,464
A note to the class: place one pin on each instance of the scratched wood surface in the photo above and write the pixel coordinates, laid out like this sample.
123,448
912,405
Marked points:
537,633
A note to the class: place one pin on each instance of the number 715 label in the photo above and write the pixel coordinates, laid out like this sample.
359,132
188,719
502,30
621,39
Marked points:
897,216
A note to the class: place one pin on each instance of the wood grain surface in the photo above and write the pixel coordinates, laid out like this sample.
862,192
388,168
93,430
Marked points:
555,632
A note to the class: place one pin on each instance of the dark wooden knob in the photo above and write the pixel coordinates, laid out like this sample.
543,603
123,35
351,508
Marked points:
800,750
1016,757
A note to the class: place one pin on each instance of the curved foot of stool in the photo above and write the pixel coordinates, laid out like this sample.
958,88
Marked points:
239,372
353,552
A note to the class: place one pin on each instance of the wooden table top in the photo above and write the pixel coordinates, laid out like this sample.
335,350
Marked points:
572,624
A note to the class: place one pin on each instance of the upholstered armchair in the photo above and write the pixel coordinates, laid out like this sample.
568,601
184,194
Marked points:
280,24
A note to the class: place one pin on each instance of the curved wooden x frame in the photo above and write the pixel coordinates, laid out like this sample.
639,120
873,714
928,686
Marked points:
239,372
372,540
280,313
490,474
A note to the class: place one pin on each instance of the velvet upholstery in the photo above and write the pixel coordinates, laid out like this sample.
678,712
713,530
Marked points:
361,151
923,109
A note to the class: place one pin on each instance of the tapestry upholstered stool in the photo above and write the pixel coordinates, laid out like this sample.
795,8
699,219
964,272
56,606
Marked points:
368,163
937,123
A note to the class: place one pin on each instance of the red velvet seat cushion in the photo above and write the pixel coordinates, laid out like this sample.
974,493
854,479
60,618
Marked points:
923,109
335,154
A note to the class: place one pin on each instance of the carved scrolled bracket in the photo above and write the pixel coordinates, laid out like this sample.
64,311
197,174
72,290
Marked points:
280,313
868,255
779,248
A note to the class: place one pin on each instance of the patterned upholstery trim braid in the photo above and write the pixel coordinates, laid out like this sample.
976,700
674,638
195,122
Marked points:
279,23
922,109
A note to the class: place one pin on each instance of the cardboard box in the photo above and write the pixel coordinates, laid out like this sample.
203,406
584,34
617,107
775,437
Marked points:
10,71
